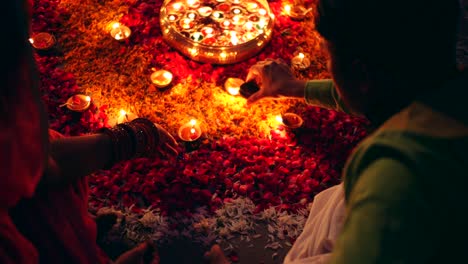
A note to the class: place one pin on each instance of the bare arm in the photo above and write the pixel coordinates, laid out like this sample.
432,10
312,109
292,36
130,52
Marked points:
75,157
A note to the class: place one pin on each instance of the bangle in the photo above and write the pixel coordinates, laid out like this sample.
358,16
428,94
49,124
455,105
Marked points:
138,138
122,143
154,129
151,132
128,148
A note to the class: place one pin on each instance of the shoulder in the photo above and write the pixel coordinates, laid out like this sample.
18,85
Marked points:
383,158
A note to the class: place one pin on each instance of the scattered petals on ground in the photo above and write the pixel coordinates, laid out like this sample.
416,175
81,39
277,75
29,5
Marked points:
247,167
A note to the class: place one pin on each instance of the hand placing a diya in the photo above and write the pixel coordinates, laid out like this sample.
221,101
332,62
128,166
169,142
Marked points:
274,79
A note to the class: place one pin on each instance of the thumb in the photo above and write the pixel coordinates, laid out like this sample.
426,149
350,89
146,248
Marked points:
137,254
255,97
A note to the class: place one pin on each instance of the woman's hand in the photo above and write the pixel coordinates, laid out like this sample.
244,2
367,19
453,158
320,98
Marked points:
160,141
167,144
275,79
216,256
142,254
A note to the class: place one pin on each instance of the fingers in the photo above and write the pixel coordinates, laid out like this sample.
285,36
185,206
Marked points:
254,73
168,143
171,150
216,255
149,254
172,141
255,97
143,253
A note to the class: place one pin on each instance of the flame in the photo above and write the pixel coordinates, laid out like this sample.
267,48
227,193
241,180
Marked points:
249,25
167,75
234,39
279,118
233,90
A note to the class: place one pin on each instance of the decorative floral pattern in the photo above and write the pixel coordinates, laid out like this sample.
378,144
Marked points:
245,159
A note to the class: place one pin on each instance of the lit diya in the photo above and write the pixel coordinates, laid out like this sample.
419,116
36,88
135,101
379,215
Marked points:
120,32
233,85
161,78
291,120
125,116
193,3
173,17
300,61
191,131
191,15
252,7
43,41
186,23
78,102
217,15
207,31
205,11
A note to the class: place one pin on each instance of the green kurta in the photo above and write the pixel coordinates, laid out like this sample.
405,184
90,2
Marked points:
406,185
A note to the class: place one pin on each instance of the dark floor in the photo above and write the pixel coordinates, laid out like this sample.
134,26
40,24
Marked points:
184,251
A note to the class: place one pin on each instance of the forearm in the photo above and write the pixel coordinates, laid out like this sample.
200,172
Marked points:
75,157
323,93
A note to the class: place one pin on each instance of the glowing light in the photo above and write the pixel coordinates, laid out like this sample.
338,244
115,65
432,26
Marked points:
88,99
192,15
279,119
193,51
261,24
209,31
234,39
177,6
119,31
193,122
249,25
287,9
161,78
123,112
